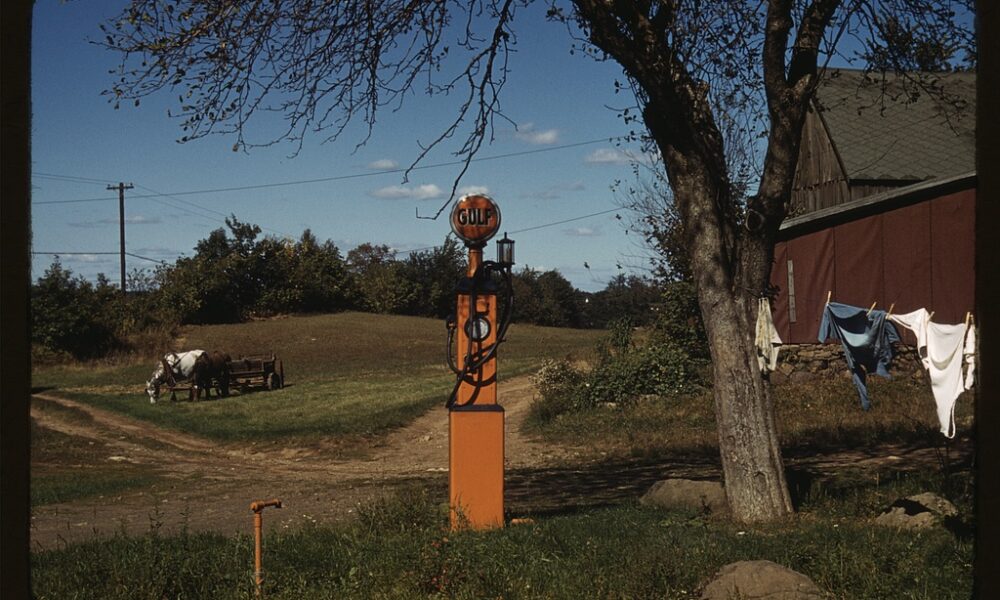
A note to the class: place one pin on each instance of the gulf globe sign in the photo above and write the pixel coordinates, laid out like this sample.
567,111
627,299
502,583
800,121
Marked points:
475,219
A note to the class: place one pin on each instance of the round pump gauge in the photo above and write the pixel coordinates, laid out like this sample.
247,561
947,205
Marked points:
478,328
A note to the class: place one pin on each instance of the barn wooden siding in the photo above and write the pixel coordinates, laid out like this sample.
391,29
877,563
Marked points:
820,179
916,254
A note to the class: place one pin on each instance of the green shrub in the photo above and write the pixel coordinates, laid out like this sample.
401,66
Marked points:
561,390
624,372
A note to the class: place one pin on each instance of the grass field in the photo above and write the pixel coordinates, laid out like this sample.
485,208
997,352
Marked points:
814,416
356,376
350,378
348,374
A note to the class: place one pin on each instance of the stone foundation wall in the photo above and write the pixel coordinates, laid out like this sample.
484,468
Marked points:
803,362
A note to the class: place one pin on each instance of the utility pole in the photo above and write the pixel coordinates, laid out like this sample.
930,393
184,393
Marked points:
121,187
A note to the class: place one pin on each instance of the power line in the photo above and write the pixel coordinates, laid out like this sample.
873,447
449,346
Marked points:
344,177
553,224
62,176
603,212
70,179
162,262
71,253
198,206
41,253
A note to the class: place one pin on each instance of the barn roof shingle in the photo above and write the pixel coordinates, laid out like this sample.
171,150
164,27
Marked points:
893,130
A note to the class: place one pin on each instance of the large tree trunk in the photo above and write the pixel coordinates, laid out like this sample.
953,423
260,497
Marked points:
730,256
748,442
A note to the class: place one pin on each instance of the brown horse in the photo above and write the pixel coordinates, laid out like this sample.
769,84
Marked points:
208,368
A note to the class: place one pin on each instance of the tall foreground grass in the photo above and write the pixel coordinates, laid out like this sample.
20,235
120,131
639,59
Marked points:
402,549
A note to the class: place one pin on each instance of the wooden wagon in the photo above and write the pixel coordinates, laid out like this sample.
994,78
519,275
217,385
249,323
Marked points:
258,370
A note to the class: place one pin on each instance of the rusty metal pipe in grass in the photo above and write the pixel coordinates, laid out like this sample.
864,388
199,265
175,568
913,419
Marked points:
258,531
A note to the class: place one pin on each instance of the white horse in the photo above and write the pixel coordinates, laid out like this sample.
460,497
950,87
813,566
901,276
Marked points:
172,368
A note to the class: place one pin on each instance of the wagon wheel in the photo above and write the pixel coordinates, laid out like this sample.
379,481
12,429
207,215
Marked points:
273,381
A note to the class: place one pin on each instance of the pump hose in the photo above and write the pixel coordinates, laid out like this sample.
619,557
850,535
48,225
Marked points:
475,364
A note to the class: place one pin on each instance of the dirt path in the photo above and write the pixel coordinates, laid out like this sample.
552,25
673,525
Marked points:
206,486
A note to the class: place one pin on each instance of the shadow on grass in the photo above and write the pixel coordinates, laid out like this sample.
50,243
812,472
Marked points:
563,490
567,489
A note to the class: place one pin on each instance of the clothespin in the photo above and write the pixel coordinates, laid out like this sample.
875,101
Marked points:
968,315
889,314
872,308
828,294
930,315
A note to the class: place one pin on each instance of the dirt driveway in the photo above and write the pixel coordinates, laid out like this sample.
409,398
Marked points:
207,486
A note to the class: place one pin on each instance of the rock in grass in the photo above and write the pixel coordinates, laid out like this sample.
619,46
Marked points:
686,494
753,579
917,512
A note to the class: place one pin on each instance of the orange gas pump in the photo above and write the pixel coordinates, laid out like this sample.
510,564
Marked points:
475,420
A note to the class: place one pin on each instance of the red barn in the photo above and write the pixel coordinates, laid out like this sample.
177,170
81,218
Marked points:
883,205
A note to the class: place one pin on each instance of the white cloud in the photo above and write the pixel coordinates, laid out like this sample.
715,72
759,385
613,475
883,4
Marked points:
473,189
527,133
607,156
85,258
582,232
383,164
158,252
426,191
555,192
130,220
141,220
613,156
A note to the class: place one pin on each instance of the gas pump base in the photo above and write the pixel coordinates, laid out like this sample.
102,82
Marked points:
475,477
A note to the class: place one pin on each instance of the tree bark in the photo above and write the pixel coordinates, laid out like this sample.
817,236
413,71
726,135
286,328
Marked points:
750,454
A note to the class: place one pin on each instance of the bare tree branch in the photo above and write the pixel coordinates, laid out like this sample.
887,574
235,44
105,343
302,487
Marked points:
318,66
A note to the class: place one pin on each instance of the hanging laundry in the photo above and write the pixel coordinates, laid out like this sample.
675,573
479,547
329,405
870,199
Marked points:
916,322
944,351
970,356
767,339
867,338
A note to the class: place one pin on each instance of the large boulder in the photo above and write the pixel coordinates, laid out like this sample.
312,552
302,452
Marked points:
917,512
763,579
708,496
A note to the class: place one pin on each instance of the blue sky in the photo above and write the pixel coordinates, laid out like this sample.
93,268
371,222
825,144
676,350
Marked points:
80,144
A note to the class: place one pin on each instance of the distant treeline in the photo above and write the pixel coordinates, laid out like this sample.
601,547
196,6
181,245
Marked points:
236,275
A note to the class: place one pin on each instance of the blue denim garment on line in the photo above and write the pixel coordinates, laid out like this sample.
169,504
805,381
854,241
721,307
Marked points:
867,340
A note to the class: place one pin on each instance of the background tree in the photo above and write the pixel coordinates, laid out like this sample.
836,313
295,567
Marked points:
321,275
382,285
545,298
700,72
432,274
70,315
625,297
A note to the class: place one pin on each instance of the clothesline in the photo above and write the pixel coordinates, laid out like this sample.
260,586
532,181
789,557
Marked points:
969,317
868,340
